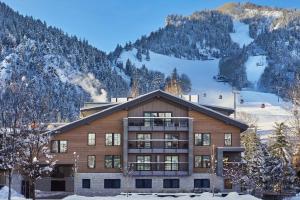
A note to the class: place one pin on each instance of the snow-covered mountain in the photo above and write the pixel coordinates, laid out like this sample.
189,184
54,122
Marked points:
254,47
249,47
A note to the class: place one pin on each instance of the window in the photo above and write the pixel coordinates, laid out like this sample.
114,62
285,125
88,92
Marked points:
112,183
59,146
202,161
158,119
86,183
143,163
202,139
227,184
143,140
91,139
112,139
113,161
171,183
171,141
91,161
201,183
171,163
228,139
143,183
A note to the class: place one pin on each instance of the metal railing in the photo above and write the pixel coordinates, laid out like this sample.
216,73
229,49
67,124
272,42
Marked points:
158,144
158,123
158,166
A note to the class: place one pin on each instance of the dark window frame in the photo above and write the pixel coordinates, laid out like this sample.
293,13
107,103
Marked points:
202,139
202,161
143,183
88,162
113,143
201,183
143,164
113,165
171,183
59,146
86,183
112,183
225,139
88,139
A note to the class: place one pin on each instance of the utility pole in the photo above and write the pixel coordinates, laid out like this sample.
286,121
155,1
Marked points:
235,92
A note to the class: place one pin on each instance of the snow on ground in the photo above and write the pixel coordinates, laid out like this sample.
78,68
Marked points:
14,194
200,72
255,66
173,196
241,33
274,111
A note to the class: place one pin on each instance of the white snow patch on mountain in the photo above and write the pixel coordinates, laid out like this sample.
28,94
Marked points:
201,73
241,33
275,110
255,66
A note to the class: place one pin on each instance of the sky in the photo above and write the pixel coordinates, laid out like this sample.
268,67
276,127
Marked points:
106,23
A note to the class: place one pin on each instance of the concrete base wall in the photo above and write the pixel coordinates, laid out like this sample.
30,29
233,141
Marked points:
128,183
44,184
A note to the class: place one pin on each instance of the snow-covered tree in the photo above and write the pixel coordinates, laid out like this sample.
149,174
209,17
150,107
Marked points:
281,150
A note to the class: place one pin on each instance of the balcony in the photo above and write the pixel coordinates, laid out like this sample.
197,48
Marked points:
158,124
158,169
158,146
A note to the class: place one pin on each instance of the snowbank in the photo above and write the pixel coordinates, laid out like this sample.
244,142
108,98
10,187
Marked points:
179,196
14,194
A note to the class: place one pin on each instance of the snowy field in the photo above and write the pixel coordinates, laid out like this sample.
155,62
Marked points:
255,67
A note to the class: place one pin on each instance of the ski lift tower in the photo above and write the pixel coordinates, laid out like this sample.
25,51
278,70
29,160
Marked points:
235,92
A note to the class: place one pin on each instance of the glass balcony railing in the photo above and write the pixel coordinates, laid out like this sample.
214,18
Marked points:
158,123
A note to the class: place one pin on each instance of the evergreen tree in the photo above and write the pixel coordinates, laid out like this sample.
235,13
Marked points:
139,55
280,149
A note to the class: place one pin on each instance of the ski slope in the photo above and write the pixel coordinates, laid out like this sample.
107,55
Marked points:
201,74
241,34
255,66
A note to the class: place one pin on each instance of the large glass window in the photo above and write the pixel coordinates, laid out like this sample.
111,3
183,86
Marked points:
112,183
158,119
143,183
112,161
143,140
59,146
228,139
171,183
202,161
201,183
91,161
143,163
91,139
112,139
171,140
202,139
171,163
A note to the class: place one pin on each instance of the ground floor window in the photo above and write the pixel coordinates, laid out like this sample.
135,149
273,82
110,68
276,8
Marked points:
201,183
86,183
171,183
227,184
112,183
143,183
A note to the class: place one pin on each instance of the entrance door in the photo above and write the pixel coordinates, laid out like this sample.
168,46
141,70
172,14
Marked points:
58,185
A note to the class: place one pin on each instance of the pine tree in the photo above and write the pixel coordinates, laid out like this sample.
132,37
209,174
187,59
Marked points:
139,55
147,55
280,149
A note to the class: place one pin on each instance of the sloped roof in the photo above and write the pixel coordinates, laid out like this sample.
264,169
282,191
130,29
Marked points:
143,98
